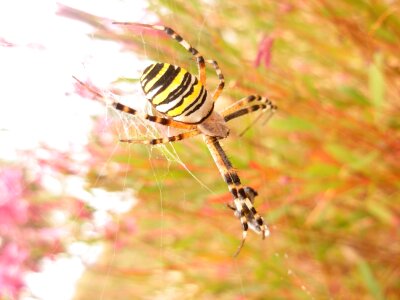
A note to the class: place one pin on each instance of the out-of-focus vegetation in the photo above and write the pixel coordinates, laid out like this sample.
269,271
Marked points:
327,165
37,223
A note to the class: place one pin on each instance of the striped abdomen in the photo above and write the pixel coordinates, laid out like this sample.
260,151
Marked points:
176,93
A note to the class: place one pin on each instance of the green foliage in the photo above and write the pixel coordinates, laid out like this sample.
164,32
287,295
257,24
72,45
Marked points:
370,281
326,166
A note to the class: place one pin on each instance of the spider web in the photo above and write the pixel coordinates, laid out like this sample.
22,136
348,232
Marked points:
137,128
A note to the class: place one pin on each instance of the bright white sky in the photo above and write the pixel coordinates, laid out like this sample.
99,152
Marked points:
35,76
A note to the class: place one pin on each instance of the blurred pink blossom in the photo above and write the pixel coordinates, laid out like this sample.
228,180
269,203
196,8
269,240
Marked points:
264,51
285,7
129,225
86,89
13,208
81,210
123,230
57,161
27,233
12,258
5,43
51,235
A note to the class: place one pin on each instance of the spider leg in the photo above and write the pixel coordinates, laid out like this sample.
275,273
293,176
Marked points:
200,60
244,206
247,102
221,78
247,110
236,110
265,104
240,103
165,140
250,192
155,119
129,110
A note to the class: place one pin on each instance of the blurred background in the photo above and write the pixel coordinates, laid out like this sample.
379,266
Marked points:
83,216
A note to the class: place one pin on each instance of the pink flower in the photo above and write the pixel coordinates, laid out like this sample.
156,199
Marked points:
13,208
5,43
50,235
264,51
12,258
285,7
10,184
81,210
129,225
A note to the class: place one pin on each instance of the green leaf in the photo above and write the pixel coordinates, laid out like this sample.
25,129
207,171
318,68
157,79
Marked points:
320,170
370,281
293,124
379,211
339,152
386,35
361,162
376,81
354,94
355,161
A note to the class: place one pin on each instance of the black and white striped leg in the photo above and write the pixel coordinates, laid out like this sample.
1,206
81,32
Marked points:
254,103
165,140
200,60
155,119
221,79
244,208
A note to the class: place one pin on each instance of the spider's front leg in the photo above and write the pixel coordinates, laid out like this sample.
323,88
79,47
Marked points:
169,139
170,32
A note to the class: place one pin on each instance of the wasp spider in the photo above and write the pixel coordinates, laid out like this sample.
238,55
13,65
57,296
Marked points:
183,102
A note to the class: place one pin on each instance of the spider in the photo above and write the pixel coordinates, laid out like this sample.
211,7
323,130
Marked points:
183,102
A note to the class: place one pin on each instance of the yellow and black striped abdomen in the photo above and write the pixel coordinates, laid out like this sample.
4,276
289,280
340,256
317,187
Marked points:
176,93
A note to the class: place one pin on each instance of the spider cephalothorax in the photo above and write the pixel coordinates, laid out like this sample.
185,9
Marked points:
183,101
